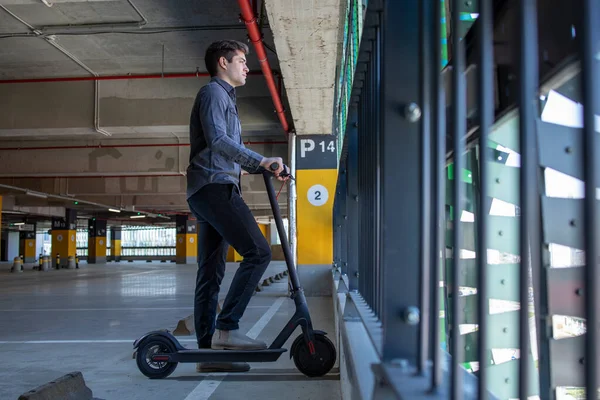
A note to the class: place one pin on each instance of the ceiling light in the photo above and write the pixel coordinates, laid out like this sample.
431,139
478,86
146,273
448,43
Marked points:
19,223
114,210
137,216
35,194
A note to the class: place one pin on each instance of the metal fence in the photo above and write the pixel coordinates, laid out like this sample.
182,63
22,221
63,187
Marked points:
446,233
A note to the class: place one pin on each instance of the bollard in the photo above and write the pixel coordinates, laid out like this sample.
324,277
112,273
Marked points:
17,265
57,261
45,263
70,262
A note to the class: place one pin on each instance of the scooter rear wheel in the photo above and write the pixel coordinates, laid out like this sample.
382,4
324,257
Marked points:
155,369
321,363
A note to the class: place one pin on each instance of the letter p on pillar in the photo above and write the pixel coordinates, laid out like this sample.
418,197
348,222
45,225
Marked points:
306,145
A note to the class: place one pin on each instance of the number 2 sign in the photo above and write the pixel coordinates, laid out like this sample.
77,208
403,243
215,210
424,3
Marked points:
318,195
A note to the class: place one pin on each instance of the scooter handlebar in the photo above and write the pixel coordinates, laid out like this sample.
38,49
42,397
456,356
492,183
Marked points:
286,171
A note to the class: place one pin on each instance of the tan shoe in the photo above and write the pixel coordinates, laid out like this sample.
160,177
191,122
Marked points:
234,340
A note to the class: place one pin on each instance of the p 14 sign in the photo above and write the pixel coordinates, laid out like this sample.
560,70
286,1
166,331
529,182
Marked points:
316,152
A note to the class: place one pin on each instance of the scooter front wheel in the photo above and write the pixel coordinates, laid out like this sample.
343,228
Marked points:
150,347
319,364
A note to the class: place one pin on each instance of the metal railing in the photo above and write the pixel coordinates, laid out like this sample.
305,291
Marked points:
458,299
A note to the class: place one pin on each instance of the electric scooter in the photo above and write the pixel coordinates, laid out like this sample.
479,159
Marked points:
158,352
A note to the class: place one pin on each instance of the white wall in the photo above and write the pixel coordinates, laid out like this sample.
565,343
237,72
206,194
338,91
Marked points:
13,245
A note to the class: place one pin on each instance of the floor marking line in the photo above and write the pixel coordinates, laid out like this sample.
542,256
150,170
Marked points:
209,384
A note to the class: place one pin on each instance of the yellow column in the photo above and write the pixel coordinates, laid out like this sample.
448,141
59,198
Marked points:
186,249
115,243
96,241
316,178
64,242
234,256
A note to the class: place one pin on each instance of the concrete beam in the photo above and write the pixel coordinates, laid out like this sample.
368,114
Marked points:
125,106
307,37
171,158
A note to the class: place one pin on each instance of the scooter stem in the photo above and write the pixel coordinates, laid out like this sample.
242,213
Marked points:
293,275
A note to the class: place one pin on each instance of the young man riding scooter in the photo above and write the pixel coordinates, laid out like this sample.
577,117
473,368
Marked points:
217,155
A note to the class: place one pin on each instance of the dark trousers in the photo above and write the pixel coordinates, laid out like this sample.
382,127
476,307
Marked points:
225,219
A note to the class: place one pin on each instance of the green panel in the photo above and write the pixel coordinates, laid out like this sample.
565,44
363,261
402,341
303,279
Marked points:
471,344
503,380
503,182
506,131
467,176
503,281
503,330
503,234
468,230
468,271
468,308
442,309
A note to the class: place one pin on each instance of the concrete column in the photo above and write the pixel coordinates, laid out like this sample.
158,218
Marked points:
27,246
64,242
316,179
186,251
115,243
234,256
96,241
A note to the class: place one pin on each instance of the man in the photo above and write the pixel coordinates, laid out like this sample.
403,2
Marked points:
217,155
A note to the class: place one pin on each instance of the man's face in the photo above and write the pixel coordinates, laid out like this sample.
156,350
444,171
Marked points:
237,70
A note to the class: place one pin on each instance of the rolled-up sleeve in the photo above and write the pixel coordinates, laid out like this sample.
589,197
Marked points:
213,117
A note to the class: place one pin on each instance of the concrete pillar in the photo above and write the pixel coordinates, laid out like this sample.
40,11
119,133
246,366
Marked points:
64,242
115,243
96,241
186,251
27,247
234,256
316,179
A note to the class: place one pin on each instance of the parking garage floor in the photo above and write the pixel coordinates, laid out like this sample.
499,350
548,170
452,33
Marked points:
86,320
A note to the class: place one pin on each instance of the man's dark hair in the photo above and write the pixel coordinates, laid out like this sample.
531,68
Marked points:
222,48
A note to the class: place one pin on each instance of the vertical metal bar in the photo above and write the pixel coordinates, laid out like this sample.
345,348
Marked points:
400,188
439,192
352,200
372,143
426,58
529,197
361,195
377,73
486,119
459,130
590,49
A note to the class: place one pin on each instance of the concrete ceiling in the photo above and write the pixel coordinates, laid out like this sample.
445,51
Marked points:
308,37
149,117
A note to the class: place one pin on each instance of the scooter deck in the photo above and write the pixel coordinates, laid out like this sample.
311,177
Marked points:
209,355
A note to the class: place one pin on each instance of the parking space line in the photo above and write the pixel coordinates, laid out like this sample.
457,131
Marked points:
209,384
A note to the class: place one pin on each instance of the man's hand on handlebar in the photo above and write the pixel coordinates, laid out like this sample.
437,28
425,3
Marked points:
276,166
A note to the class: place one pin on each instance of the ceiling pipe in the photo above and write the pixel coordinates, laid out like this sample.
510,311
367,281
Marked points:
249,18
115,77
116,146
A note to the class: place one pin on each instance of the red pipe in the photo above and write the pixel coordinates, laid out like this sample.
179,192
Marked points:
86,176
254,33
113,77
113,146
